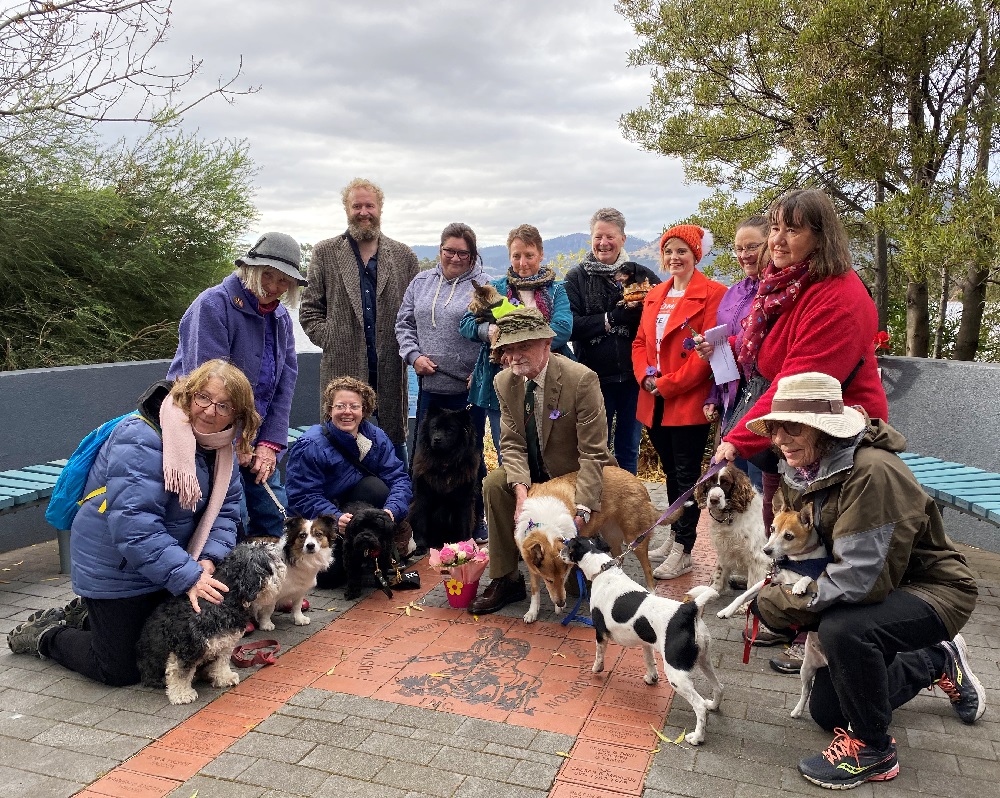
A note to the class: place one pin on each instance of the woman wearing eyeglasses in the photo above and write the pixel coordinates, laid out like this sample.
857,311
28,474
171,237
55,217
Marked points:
346,459
242,320
750,245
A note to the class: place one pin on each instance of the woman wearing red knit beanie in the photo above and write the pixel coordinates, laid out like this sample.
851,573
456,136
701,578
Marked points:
674,382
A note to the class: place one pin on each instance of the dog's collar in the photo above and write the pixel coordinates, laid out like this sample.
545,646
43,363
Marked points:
614,562
726,519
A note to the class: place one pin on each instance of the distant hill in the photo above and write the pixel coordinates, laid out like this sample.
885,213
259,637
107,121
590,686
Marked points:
495,259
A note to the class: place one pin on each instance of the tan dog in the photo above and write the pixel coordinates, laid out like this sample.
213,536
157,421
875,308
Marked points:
547,519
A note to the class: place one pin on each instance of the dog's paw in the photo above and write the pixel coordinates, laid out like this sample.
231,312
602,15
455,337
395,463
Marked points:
693,738
300,620
798,590
531,616
177,694
723,614
651,678
227,678
266,626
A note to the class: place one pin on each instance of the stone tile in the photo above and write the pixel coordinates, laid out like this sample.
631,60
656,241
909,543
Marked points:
88,740
308,698
265,746
23,783
23,727
488,766
137,723
691,783
215,788
73,711
269,773
228,766
337,786
26,680
430,781
356,764
537,775
474,787
81,690
420,718
393,747
514,736
358,706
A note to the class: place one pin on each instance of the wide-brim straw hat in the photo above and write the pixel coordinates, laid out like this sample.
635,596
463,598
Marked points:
814,399
279,251
522,324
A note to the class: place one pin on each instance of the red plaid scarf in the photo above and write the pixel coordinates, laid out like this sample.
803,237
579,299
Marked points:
777,292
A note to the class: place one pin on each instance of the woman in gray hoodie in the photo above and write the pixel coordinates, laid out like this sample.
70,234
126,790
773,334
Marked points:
427,329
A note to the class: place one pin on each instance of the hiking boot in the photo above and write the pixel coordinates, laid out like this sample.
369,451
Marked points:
75,613
959,683
678,563
848,762
766,636
791,660
24,638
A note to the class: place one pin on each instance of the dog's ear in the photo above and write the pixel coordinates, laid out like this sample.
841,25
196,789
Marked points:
806,515
535,555
742,492
701,493
778,502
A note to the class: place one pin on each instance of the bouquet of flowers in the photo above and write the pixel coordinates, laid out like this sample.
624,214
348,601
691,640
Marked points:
462,563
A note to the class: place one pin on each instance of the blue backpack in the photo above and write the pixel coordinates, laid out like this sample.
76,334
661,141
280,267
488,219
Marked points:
67,495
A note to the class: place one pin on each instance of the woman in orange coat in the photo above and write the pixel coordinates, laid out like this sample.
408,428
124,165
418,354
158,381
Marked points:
674,381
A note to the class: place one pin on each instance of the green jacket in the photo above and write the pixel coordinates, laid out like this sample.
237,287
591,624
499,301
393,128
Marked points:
883,532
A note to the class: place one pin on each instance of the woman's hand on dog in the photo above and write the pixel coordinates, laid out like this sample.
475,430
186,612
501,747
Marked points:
343,521
424,366
520,494
263,463
207,588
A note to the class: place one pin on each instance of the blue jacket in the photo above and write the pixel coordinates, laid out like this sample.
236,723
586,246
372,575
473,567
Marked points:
482,393
223,322
317,473
137,543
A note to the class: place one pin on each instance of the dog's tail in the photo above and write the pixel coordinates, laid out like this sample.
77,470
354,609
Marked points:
701,595
674,516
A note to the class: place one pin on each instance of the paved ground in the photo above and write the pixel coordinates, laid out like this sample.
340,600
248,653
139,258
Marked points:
371,700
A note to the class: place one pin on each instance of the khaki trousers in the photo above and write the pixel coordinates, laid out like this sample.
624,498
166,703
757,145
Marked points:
500,501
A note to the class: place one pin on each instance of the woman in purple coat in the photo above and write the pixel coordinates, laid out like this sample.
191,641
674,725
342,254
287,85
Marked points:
243,321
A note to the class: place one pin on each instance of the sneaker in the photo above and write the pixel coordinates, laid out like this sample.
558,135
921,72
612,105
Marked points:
678,563
24,638
791,660
959,683
659,554
849,762
75,613
766,636
482,534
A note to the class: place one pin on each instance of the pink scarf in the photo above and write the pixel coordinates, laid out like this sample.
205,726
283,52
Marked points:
179,476
776,293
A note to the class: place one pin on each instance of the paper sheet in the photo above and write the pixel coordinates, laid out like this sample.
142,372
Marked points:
723,364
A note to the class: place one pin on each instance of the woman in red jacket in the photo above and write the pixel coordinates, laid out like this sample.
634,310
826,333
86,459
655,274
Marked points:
674,382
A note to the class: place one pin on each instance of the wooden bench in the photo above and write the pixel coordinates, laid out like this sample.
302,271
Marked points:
32,485
969,490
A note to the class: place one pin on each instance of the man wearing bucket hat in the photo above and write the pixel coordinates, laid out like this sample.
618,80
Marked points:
552,423
889,606
243,321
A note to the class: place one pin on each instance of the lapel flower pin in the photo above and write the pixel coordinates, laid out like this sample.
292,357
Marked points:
555,414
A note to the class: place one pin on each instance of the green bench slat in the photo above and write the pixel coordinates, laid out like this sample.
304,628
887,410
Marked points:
967,489
22,493
6,501
44,469
26,476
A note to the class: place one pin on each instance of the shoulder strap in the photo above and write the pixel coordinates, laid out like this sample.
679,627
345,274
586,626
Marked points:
350,457
852,375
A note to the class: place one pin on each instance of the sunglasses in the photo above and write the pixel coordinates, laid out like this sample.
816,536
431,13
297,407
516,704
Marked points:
792,428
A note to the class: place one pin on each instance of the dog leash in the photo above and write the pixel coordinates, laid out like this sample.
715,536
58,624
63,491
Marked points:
260,652
678,503
274,498
574,613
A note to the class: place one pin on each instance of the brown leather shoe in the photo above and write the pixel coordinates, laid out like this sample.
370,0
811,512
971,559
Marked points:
498,595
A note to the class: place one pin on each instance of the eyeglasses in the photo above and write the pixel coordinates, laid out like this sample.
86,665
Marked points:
792,428
340,407
461,254
748,249
204,401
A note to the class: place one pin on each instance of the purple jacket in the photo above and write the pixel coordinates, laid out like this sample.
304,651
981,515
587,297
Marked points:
735,307
223,322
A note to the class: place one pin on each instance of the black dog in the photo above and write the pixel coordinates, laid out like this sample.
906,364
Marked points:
176,642
445,478
364,551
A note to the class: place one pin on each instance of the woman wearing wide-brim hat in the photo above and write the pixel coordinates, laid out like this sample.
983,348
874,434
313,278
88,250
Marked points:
243,320
891,601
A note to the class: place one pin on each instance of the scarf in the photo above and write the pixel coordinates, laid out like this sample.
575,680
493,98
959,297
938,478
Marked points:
540,283
592,266
179,441
777,292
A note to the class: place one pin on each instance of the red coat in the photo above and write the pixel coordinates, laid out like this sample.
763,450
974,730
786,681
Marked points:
686,379
829,329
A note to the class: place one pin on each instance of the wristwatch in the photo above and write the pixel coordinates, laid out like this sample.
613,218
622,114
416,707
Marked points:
584,514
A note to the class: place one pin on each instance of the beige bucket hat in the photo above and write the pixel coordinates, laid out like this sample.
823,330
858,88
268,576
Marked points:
521,324
813,399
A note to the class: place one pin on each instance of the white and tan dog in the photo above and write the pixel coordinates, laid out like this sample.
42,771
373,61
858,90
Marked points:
626,613
305,549
546,520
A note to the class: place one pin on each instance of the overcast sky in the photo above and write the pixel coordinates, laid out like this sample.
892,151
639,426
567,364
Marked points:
491,113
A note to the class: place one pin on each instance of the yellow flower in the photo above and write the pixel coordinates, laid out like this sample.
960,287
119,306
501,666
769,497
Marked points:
454,587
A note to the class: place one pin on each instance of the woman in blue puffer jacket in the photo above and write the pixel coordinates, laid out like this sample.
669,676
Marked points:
167,515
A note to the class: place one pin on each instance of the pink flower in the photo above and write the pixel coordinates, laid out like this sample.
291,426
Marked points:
448,556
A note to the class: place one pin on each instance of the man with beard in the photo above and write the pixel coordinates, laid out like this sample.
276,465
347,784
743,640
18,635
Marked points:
552,422
349,307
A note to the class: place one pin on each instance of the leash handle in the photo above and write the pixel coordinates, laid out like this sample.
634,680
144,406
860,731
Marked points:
274,498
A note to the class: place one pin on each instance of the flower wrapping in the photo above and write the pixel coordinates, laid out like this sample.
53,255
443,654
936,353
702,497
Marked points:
464,561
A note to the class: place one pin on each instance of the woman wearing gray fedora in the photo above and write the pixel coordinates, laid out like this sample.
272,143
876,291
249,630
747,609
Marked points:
242,320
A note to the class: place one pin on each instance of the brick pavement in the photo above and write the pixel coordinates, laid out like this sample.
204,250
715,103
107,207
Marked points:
296,729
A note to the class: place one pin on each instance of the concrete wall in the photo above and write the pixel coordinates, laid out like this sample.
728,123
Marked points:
946,409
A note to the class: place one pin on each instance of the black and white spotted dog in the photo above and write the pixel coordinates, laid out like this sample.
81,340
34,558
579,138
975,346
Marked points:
176,643
364,551
625,612
736,525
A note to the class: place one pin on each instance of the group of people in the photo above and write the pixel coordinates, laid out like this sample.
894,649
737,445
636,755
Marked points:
568,376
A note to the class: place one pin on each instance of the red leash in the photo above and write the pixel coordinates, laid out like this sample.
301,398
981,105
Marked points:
260,652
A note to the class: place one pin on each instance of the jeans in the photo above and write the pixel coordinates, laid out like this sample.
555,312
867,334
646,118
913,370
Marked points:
680,450
105,650
880,656
755,474
494,417
260,515
620,400
457,401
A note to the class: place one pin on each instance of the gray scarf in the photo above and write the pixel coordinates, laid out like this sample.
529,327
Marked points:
591,265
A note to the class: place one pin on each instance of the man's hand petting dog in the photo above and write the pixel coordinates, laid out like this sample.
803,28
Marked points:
206,587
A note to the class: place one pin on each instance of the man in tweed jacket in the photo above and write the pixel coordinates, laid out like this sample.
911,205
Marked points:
349,307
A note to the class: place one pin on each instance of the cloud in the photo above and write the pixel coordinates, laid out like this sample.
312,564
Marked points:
489,113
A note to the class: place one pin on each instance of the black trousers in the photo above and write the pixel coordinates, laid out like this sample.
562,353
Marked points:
880,656
370,489
680,450
105,650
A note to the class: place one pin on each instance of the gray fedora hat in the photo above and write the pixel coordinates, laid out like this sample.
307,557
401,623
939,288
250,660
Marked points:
521,324
279,251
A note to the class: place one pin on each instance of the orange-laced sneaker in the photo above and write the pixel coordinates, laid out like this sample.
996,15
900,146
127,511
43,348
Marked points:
848,762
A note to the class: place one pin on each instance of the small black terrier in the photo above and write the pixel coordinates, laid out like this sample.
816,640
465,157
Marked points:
365,551
445,478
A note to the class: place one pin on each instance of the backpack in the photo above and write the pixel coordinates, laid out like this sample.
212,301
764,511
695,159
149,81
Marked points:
67,495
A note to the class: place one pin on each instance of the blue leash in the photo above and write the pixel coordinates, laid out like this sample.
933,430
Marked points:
573,613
